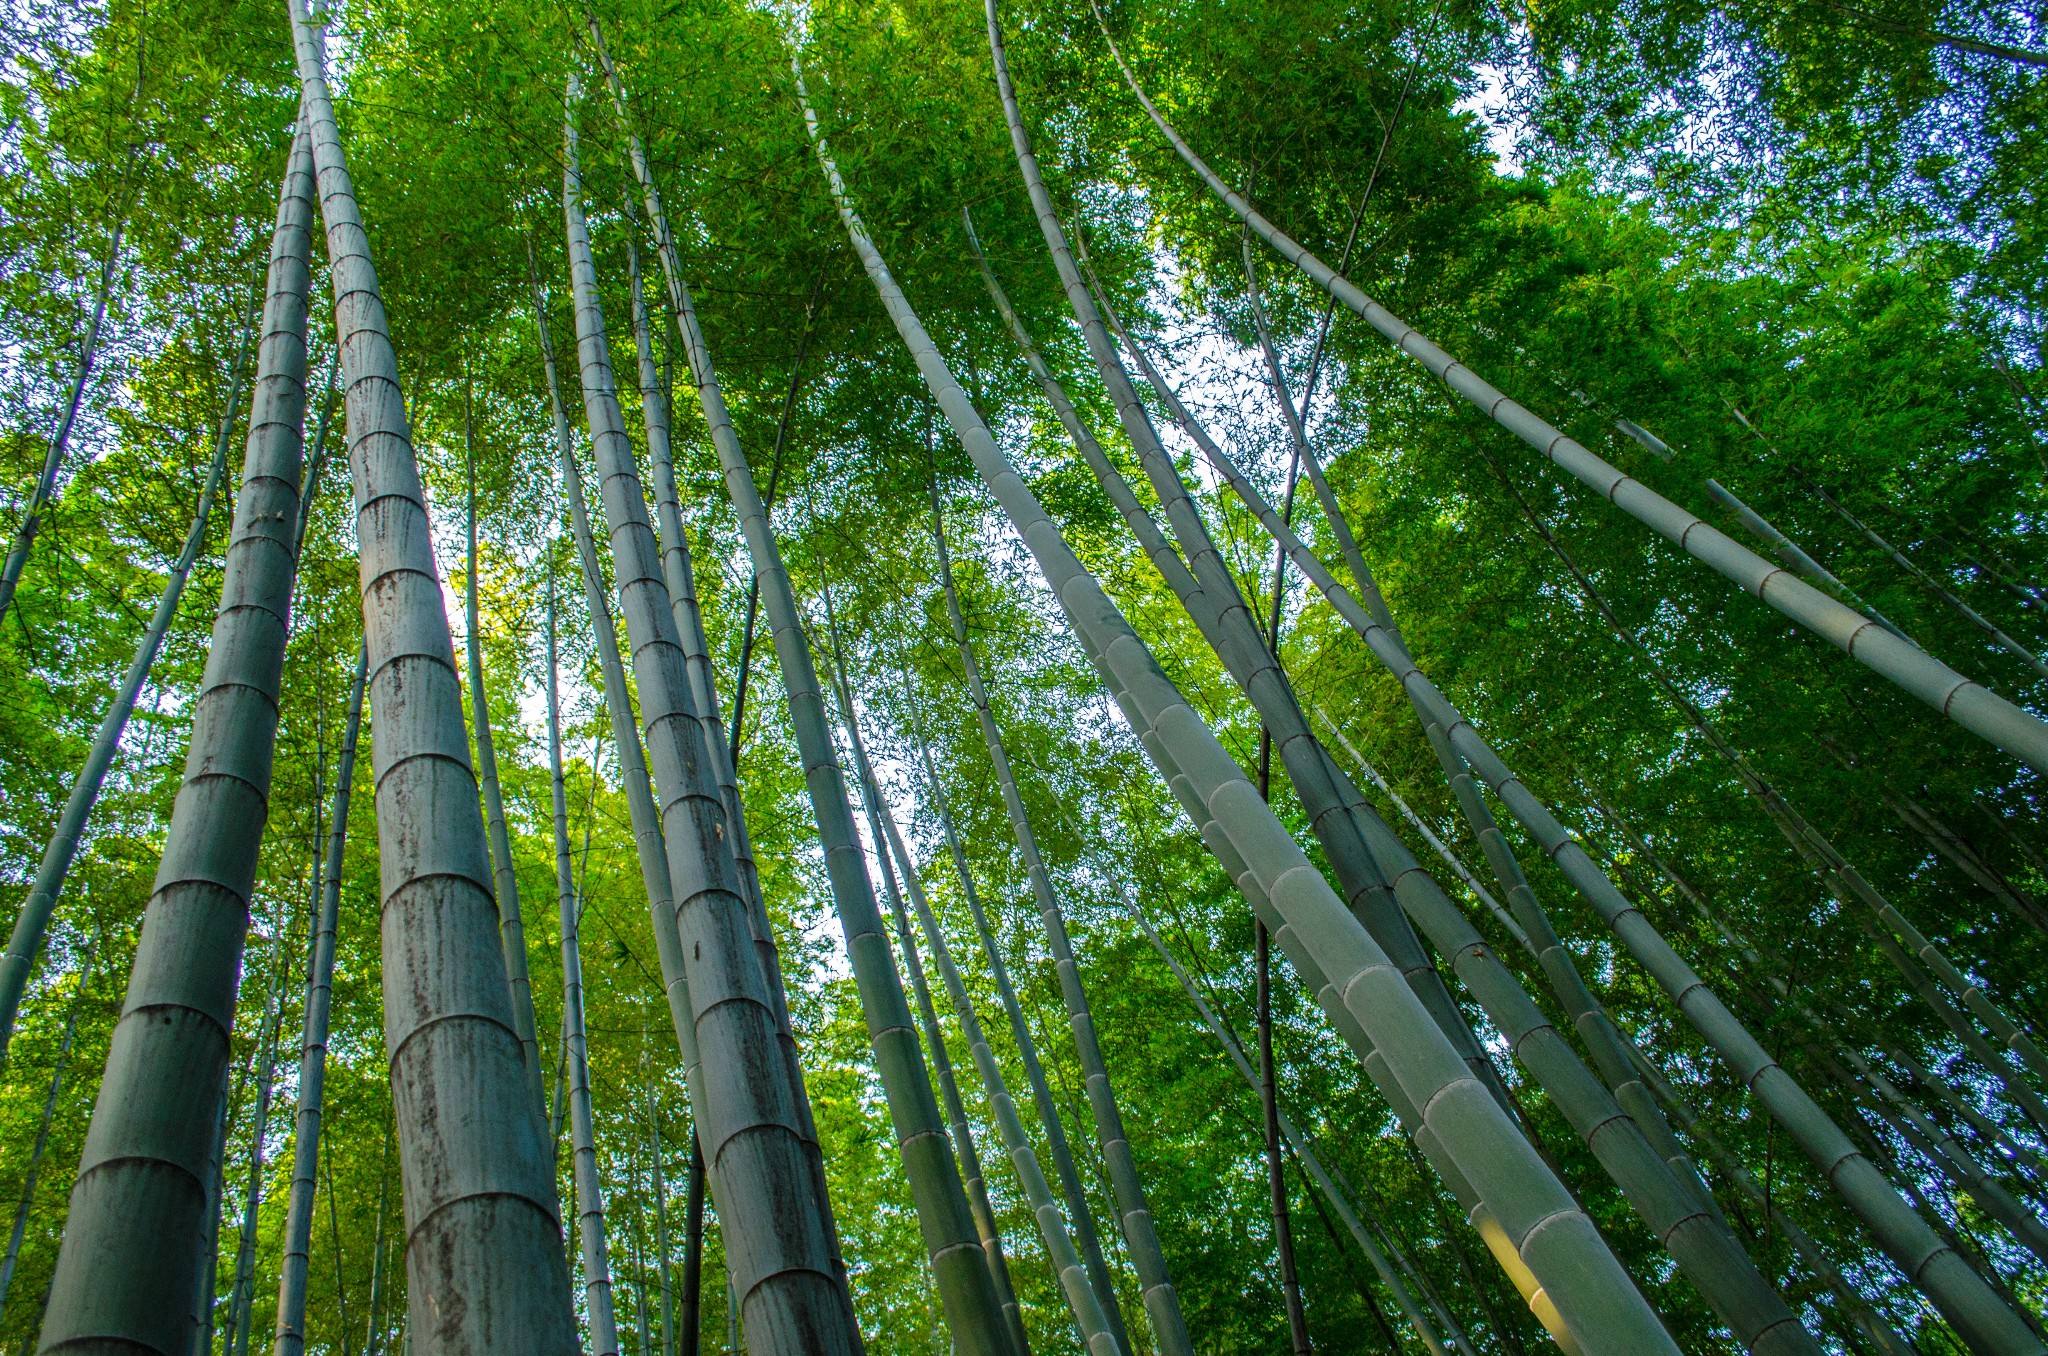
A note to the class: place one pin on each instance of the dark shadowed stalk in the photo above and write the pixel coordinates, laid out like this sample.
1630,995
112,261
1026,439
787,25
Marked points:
298,1230
1969,704
17,963
126,1272
772,1202
483,1233
1579,1288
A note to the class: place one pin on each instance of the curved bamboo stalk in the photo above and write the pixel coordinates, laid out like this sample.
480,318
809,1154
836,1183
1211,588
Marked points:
125,1270
290,1338
776,1215
504,880
484,1248
590,1230
934,1035
1091,1316
1970,704
1961,1294
25,943
60,441
1162,1306
1581,1288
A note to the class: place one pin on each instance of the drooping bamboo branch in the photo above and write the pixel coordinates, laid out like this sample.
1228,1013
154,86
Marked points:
147,1173
484,1254
772,1201
1968,703
25,943
1582,1290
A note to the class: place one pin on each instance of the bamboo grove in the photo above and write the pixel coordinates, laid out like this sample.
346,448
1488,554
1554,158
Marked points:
1058,676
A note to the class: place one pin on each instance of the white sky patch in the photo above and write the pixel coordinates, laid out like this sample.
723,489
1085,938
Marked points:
1489,104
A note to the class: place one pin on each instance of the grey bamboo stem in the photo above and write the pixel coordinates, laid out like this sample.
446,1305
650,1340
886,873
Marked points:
1162,1306
60,441
290,1337
1968,703
1949,1280
972,1309
504,879
125,1272
1083,1299
590,1229
771,1201
1580,1287
484,1255
32,925
934,1035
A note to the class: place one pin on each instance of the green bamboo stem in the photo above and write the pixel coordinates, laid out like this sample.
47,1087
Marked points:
125,1271
771,1202
1962,1295
590,1225
934,1035
58,1067
32,925
504,880
484,1253
1162,1304
1790,553
1083,1299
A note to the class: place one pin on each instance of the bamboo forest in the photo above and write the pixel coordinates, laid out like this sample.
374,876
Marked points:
1011,677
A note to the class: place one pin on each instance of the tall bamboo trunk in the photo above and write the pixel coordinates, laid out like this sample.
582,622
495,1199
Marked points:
690,1312
1969,704
1134,1213
679,574
947,1226
1582,1290
1961,1294
1091,1317
312,1109
484,1255
934,1035
771,1200
126,1271
1792,554
590,1231
60,441
504,880
33,1170
17,963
